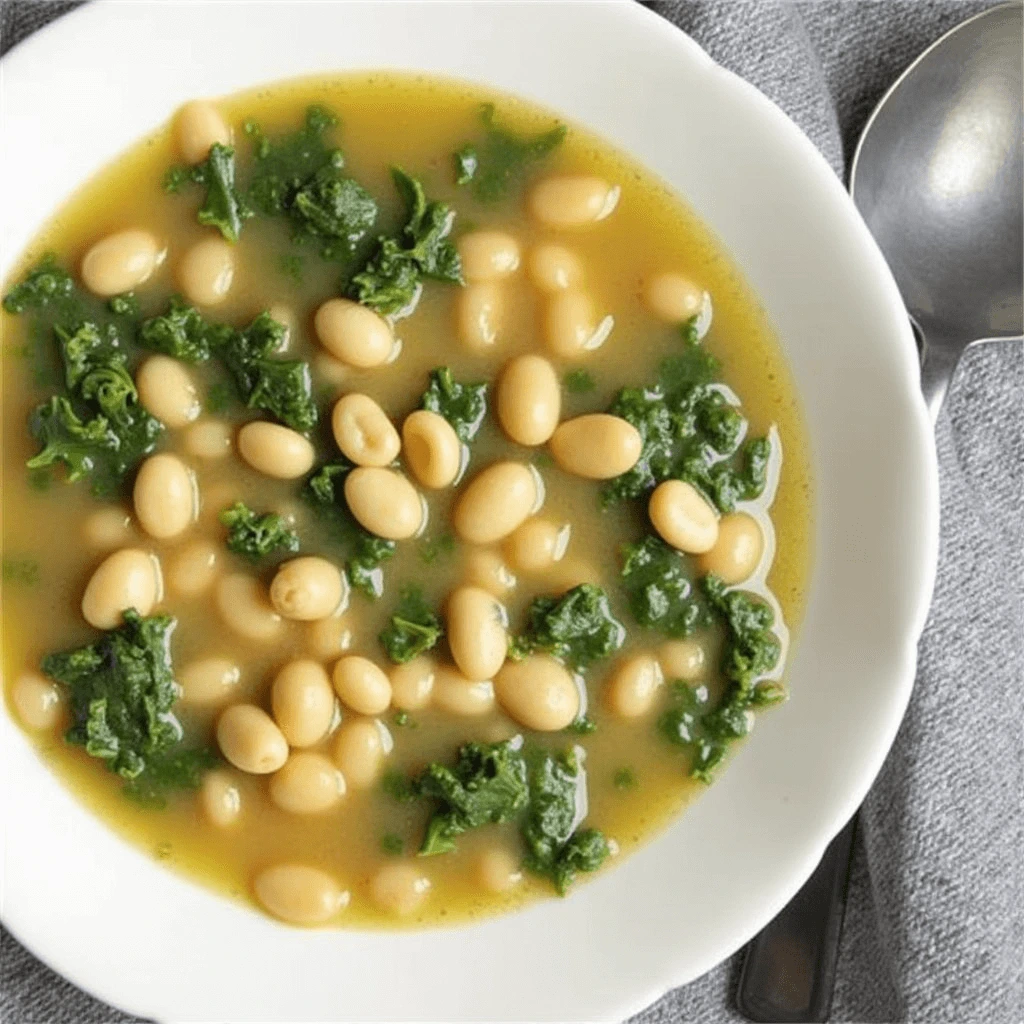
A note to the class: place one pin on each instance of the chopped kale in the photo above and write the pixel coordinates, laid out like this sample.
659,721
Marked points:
659,591
45,285
364,551
583,726
391,278
81,446
121,690
464,406
256,536
578,382
577,627
181,332
556,848
400,787
336,211
689,432
500,160
487,785
223,208
751,651
414,628
181,768
124,305
404,720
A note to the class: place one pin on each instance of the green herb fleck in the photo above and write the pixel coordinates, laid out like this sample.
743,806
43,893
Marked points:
583,726
404,720
391,844
413,629
291,265
432,548
624,778
124,305
400,787
21,571
578,382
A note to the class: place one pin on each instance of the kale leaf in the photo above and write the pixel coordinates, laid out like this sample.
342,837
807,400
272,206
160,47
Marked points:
365,552
751,651
577,627
336,211
45,285
81,446
121,690
391,279
495,164
413,629
464,406
223,208
690,432
256,536
556,848
659,591
182,333
487,785
282,387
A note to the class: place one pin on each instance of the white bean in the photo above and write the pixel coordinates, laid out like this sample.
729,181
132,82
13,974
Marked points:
354,334
477,636
108,528
192,569
206,271
634,686
412,684
488,255
210,439
221,798
362,685
384,502
554,268
275,450
484,567
479,313
571,327
249,739
432,449
596,446
673,297
572,200
737,552
538,693
166,501
537,545
197,127
129,578
307,588
209,681
682,659
498,869
38,701
167,391
299,894
400,888
244,607
529,400
457,695
120,262
303,702
363,431
495,502
307,783
359,750
683,517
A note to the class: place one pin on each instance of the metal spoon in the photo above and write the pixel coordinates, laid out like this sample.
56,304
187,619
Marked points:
939,178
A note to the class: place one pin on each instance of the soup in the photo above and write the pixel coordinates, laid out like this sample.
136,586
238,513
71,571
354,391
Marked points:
432,499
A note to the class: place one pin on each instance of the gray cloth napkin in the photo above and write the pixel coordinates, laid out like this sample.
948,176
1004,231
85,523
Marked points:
935,924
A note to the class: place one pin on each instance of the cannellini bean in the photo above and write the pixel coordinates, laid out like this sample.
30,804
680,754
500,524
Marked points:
538,693
307,588
477,636
737,552
479,313
197,127
332,371
554,268
634,686
485,568
384,502
596,446
129,578
412,684
529,400
244,607
167,391
457,695
221,798
192,569
299,894
120,262
400,888
360,747
165,496
571,327
498,869
673,297
488,255
495,502
363,431
683,517
432,449
353,333
303,702
307,783
210,439
275,450
572,200
249,739
682,659
537,545
38,701
206,271
362,685
327,638
572,572
108,528
209,681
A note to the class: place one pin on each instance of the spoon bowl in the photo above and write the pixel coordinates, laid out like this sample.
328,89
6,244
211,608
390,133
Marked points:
939,178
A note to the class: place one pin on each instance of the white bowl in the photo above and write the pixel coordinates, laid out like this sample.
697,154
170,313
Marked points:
119,925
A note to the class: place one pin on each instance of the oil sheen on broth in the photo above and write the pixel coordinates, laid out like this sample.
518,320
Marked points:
582,274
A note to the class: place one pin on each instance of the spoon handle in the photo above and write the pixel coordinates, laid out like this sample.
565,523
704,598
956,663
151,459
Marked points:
789,968
938,364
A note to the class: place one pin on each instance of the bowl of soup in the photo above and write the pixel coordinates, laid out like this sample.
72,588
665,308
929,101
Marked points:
454,512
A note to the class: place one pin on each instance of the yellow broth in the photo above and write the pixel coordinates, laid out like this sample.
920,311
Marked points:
416,123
